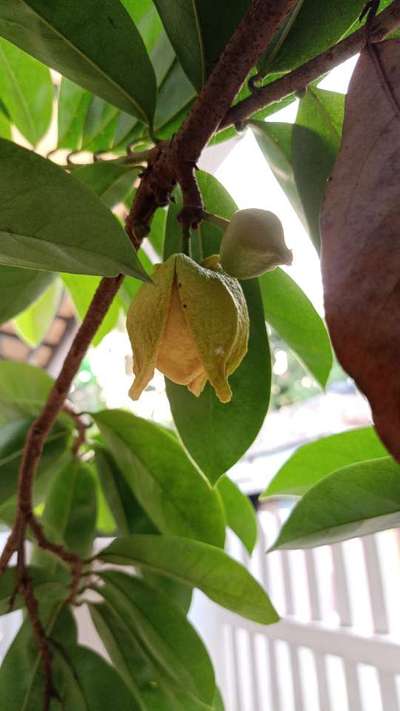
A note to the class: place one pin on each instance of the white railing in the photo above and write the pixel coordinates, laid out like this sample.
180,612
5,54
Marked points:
337,647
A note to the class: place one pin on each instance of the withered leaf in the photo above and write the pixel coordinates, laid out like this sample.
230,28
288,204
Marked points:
360,225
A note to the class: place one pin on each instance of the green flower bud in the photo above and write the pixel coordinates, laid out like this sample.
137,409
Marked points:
253,243
191,323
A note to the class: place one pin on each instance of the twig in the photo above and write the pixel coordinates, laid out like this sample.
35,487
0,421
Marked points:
382,25
80,425
175,161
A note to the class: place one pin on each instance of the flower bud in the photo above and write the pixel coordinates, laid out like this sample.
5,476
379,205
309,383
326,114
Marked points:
253,243
191,323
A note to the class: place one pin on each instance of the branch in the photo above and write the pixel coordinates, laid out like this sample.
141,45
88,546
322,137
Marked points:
175,162
380,27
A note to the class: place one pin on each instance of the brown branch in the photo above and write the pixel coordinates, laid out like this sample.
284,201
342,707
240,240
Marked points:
175,162
385,23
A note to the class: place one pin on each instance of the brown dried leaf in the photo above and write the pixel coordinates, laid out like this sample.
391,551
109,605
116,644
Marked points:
360,225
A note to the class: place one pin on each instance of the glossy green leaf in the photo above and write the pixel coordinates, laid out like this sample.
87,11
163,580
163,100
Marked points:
94,43
315,144
73,103
50,221
19,288
124,506
266,61
26,90
69,515
199,31
198,564
82,289
314,461
239,511
110,182
99,125
12,441
289,311
275,141
46,587
354,501
318,26
217,434
33,324
163,631
23,390
178,593
175,94
154,690
5,126
168,485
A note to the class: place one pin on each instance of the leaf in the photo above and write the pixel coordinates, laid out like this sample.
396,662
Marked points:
163,632
33,324
313,462
317,27
82,290
175,94
315,144
125,508
26,90
168,485
359,224
217,434
46,587
23,390
198,564
288,310
278,40
148,684
199,31
12,442
178,593
19,288
45,212
111,182
69,515
73,103
354,501
5,128
94,43
240,514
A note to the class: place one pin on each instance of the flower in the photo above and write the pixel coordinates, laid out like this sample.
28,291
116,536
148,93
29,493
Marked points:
253,243
191,323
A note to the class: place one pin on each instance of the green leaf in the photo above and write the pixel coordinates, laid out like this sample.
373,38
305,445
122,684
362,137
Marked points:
125,508
46,587
73,103
266,61
5,127
45,214
315,144
19,288
288,310
240,514
354,501
175,95
217,434
26,90
318,26
69,515
33,324
163,632
82,289
153,689
23,390
12,442
168,485
313,462
180,595
111,182
199,31
197,564
106,56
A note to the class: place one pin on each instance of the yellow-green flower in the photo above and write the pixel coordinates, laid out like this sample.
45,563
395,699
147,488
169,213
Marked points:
191,323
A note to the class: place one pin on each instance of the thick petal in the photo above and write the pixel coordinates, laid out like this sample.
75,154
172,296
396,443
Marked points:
146,321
